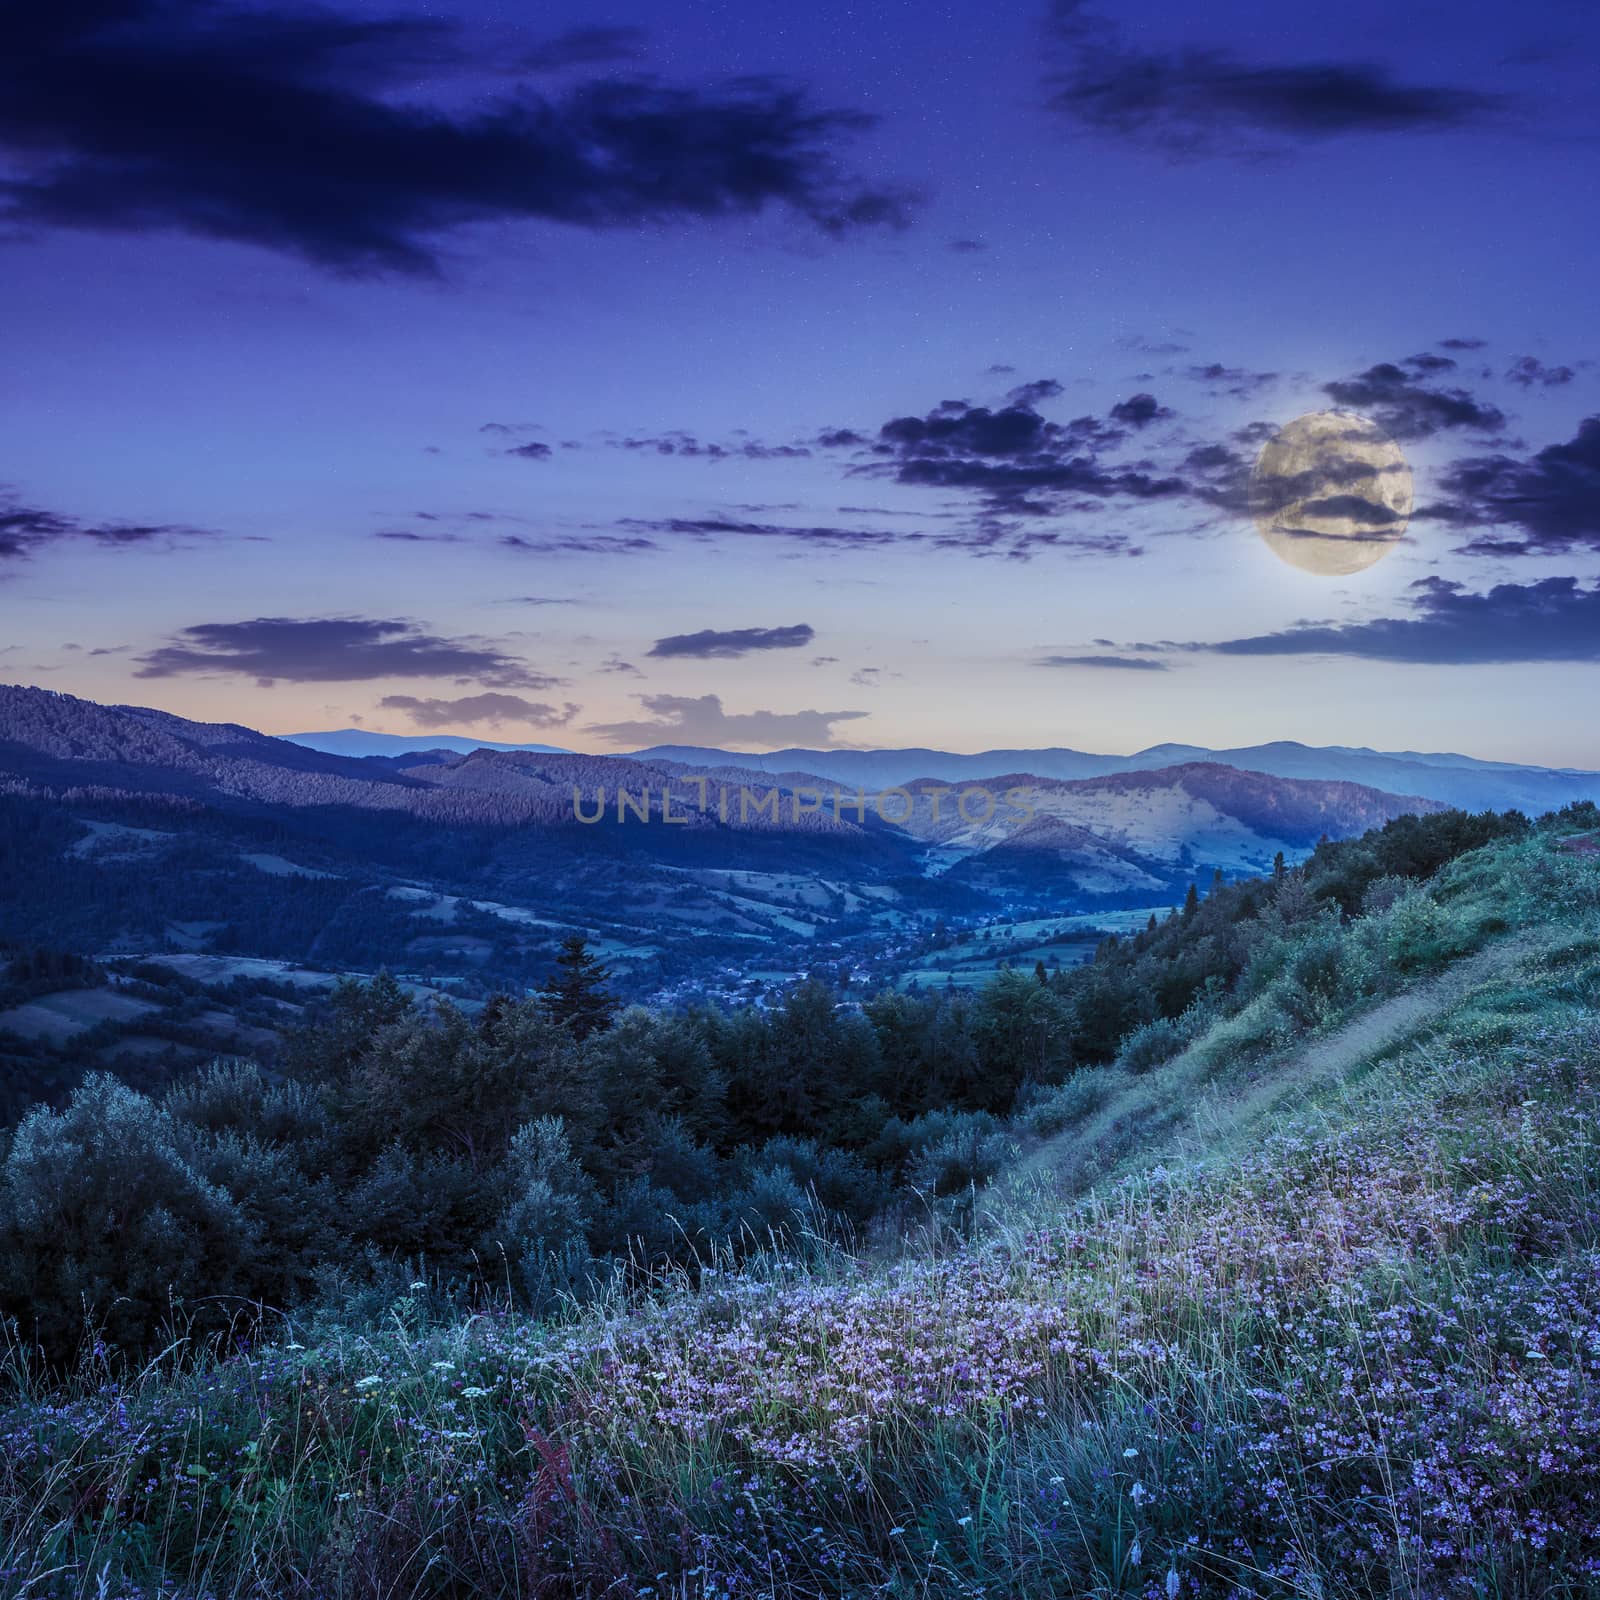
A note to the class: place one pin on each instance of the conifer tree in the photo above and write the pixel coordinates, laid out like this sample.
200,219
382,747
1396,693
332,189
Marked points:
575,993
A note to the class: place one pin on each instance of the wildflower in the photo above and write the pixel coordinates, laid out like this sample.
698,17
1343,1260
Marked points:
1172,1583
896,1533
473,1392
1135,1553
444,1366
369,1382
961,1522
1129,1453
417,1283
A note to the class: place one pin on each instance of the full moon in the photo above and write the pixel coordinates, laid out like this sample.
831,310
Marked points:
1331,493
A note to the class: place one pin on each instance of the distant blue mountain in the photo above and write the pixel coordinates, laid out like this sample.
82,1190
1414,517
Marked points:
1454,780
359,742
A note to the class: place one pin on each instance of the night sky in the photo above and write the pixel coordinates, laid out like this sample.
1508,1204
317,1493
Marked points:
832,374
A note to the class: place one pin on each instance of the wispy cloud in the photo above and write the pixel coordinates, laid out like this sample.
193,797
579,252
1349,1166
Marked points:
1194,100
1555,620
712,643
1407,405
494,709
334,650
680,719
26,529
1114,663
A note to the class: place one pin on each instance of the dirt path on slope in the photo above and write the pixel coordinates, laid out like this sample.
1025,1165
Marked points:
1178,1111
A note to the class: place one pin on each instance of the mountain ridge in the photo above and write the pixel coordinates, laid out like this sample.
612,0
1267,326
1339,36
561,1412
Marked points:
1447,777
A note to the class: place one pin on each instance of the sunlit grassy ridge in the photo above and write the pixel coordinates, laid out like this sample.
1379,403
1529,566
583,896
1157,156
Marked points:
1340,1340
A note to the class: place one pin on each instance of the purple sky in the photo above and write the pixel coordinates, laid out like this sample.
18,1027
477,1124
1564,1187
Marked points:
868,375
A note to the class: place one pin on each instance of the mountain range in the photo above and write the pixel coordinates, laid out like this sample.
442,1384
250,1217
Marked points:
1451,779
364,742
136,831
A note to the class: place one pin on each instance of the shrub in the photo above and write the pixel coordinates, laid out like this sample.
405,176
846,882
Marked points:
842,1183
104,1220
1424,936
235,1095
1384,893
1150,1044
551,1204
966,1159
1052,1111
422,1206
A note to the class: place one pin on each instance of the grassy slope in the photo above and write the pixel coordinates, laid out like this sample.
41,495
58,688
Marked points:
1324,1321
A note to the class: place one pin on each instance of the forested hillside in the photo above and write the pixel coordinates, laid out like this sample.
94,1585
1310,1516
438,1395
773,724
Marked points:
567,1296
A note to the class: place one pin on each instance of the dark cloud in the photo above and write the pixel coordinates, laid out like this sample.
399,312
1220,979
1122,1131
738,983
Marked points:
288,128
682,719
577,545
1555,620
1194,101
1429,365
1551,499
406,536
1527,371
26,529
1140,344
1406,407
494,709
584,47
718,527
677,443
711,643
1139,411
1118,663
529,449
1030,394
1018,463
333,650
1236,381
1462,344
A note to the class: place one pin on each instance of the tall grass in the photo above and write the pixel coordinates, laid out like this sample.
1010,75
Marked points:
1351,1350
